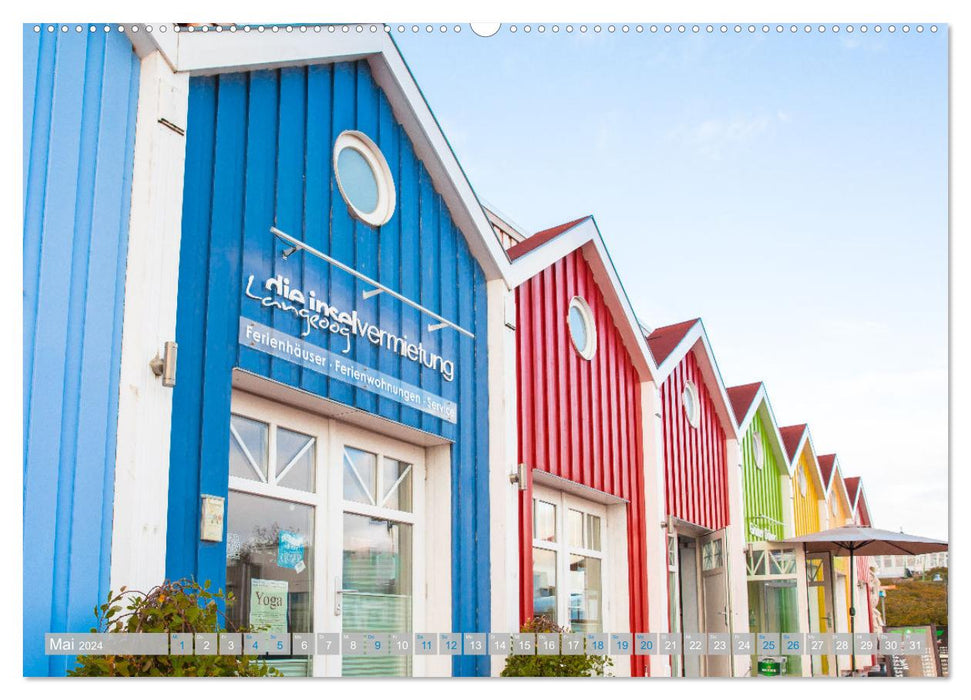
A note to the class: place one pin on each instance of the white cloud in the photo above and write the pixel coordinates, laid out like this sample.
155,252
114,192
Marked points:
711,138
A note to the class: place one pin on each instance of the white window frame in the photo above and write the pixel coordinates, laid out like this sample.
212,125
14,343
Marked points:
590,327
565,502
362,144
329,507
758,449
694,415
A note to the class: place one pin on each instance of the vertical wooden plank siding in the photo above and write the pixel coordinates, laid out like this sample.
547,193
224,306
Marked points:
695,469
259,153
80,92
842,512
762,485
806,507
578,419
841,564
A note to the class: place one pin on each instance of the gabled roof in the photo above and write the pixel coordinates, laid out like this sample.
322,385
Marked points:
861,509
543,249
792,437
829,468
798,438
537,239
742,398
750,400
663,340
826,464
669,345
213,52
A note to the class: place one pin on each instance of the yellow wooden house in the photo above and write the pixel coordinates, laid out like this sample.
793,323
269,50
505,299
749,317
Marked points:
809,516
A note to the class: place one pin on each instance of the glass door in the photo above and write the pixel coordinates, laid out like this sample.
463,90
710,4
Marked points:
381,555
819,590
272,523
569,560
714,575
324,533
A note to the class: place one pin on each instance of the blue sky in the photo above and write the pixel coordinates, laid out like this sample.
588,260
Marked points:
789,189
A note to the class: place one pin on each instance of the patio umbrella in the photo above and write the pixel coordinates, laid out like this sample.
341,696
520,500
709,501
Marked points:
854,541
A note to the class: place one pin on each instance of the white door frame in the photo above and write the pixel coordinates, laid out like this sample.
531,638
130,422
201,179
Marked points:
565,501
329,507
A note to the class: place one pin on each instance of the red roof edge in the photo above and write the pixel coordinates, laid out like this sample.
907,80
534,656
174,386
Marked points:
537,239
662,341
791,435
741,398
826,463
852,486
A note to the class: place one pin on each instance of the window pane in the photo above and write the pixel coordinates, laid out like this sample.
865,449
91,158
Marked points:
544,521
544,583
773,606
269,555
711,555
586,594
357,180
578,328
295,460
755,563
360,472
248,448
592,533
377,577
814,570
574,527
782,562
397,494
688,398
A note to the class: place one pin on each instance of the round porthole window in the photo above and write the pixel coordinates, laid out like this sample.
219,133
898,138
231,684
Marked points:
364,178
802,481
583,332
689,399
757,450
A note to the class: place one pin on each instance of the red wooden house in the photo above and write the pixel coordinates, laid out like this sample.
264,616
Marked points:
582,365
702,496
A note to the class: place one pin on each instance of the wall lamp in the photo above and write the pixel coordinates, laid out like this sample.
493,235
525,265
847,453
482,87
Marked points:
164,365
518,477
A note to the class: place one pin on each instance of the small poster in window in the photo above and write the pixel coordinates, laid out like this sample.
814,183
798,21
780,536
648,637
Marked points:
268,605
289,551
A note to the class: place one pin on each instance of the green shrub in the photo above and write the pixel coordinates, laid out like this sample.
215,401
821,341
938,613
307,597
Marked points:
177,606
536,664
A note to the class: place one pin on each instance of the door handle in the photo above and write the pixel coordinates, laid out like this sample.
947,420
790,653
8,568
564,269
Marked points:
339,596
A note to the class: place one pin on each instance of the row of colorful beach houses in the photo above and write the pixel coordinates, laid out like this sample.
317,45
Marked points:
273,340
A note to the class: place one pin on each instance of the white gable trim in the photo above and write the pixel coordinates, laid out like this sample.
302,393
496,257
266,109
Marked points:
861,496
761,405
804,442
585,236
845,495
697,339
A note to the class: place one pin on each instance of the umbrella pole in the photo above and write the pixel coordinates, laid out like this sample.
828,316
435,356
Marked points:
852,617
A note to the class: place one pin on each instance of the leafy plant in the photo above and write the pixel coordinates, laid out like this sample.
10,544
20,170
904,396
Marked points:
173,607
536,664
911,602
